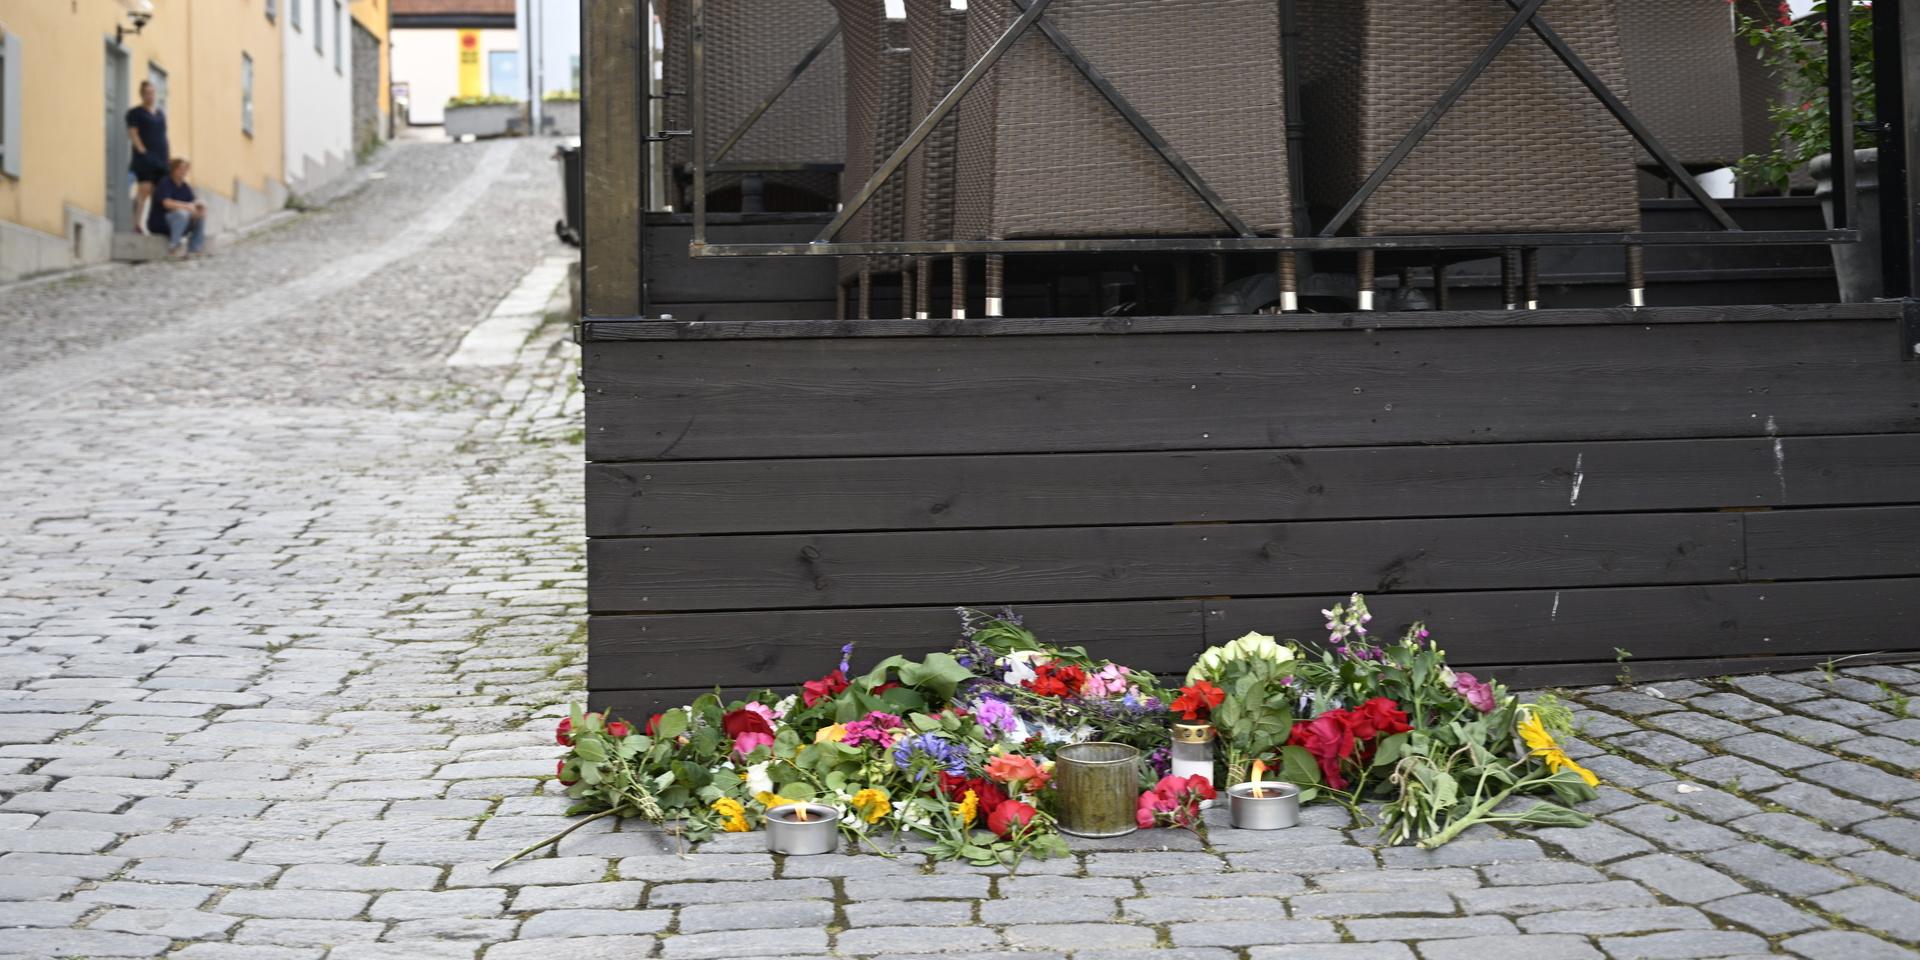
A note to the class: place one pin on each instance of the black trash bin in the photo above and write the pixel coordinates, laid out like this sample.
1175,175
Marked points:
573,176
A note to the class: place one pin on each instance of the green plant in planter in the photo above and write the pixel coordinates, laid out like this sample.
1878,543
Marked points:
488,100
1796,52
562,95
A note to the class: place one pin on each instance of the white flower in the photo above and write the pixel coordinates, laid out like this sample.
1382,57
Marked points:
1447,677
758,780
1253,646
1021,669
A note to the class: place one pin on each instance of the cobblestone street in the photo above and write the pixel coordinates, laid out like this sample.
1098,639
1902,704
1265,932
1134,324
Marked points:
288,607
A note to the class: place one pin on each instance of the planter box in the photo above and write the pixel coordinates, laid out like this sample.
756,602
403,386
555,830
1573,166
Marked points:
560,118
485,120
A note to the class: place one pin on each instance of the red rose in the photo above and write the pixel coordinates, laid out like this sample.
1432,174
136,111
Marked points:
742,721
1328,738
1055,680
618,729
560,773
883,688
563,734
1197,702
990,794
1009,816
827,687
653,724
1376,718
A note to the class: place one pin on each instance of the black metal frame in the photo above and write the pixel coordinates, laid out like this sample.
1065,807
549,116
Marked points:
1526,16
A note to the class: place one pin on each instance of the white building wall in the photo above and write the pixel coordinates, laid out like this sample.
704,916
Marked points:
427,60
318,92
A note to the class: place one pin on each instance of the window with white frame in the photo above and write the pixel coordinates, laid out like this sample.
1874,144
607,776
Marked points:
319,27
10,145
158,77
246,94
293,13
270,10
339,39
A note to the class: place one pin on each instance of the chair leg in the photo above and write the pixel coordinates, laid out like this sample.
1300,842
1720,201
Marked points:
1363,278
840,299
1636,276
1288,274
1440,298
1509,278
959,286
906,293
996,285
923,291
866,292
1530,276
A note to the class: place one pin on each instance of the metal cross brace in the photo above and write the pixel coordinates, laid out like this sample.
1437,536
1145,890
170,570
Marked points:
767,104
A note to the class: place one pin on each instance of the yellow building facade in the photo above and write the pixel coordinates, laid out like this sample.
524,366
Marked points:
76,66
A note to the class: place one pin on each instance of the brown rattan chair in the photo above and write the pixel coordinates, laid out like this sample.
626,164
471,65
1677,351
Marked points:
878,100
1681,66
1527,148
937,34
751,48
1044,155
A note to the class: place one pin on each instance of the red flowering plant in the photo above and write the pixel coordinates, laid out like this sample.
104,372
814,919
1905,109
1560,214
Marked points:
1197,701
1173,802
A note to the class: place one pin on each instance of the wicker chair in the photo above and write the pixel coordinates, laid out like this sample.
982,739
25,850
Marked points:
752,45
1043,155
1527,148
937,33
878,75
1681,66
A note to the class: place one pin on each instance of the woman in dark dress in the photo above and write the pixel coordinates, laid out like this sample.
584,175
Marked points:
147,131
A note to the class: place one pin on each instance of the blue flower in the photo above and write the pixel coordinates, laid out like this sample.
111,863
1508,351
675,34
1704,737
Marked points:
939,753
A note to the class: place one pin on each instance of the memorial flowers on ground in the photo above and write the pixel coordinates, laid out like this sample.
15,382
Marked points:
956,747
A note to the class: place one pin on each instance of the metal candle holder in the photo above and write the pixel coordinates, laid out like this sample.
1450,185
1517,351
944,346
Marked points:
1264,805
1192,753
1097,785
788,834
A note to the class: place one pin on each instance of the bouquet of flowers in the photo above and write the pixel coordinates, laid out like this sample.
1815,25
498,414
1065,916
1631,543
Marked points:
952,747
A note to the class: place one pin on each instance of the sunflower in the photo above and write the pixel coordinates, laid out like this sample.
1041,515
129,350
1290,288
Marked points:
1542,745
771,800
733,816
968,809
872,803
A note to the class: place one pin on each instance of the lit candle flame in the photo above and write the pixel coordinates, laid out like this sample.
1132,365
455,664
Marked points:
800,813
1259,773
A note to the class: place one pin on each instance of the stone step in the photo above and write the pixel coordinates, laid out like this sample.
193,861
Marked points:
138,247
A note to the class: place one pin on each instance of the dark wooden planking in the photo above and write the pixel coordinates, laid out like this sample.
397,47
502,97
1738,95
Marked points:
637,329
1029,490
1690,621
674,276
752,312
1857,542
1123,563
613,155
1565,627
776,647
638,705
850,397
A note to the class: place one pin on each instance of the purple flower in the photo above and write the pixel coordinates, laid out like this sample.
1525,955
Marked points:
1477,693
846,658
997,717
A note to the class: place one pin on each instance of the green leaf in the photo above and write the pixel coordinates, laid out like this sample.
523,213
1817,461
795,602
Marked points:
590,749
939,674
672,724
1388,753
1298,767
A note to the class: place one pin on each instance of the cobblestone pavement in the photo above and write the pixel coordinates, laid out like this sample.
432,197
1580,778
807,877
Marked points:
288,609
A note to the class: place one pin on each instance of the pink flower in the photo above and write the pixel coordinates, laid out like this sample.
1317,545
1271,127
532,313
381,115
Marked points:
877,728
763,710
750,741
1474,691
1111,681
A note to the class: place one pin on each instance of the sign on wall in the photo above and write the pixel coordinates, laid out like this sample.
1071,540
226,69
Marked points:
472,80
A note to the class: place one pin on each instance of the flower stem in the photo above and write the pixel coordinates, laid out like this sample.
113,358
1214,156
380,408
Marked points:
556,838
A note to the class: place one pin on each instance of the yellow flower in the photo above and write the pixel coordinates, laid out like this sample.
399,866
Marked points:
1542,744
733,815
967,809
831,734
872,804
771,800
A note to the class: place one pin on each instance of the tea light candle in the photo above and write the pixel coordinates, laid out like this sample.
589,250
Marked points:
803,829
1263,805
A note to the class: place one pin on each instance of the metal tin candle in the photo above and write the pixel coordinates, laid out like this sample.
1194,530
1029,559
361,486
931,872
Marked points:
1098,785
803,829
1192,752
1263,805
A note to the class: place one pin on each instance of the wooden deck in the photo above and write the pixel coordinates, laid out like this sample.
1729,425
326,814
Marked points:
1698,486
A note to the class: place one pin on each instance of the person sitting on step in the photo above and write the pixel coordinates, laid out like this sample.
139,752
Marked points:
176,213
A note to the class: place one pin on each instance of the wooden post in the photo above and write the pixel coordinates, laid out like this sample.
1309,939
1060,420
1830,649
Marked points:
614,155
